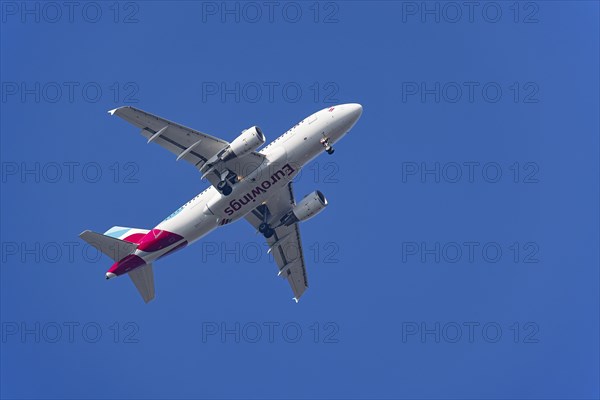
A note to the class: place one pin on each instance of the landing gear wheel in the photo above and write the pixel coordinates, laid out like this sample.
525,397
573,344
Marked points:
329,150
224,188
270,232
266,230
263,228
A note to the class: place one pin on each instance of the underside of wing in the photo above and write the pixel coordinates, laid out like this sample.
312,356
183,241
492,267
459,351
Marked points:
197,148
285,243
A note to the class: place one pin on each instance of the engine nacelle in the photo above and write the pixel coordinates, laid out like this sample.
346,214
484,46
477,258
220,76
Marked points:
307,208
250,140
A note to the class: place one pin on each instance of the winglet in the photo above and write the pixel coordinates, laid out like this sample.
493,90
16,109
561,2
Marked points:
113,111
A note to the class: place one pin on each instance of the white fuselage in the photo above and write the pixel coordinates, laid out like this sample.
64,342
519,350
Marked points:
284,157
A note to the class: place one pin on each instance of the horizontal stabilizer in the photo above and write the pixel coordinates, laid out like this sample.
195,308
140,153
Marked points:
143,279
112,247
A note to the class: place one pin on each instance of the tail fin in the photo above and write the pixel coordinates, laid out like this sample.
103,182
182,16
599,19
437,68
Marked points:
132,235
112,247
119,242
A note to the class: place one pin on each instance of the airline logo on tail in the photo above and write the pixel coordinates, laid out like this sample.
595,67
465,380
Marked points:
127,246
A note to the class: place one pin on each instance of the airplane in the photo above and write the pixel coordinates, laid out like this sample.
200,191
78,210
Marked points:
245,183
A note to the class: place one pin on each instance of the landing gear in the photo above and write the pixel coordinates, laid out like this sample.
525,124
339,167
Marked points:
266,230
228,178
328,148
224,187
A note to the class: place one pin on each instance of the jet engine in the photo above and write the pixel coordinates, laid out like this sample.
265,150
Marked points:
308,207
249,140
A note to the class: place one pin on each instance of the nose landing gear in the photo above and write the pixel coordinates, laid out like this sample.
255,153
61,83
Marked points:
328,148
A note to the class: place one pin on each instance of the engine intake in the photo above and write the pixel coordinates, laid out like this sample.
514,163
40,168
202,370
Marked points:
308,207
250,140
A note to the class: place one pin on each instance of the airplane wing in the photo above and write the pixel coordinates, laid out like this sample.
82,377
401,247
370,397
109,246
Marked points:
285,244
143,279
197,148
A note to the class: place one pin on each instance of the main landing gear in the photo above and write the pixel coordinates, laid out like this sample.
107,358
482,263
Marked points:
328,148
266,230
224,186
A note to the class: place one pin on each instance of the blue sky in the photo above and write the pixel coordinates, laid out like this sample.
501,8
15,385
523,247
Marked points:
458,257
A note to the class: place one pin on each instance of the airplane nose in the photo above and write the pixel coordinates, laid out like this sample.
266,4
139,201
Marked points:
351,114
355,110
110,275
